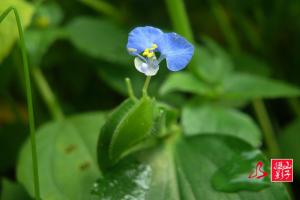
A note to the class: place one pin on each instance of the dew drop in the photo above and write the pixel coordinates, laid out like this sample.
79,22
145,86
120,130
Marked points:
130,182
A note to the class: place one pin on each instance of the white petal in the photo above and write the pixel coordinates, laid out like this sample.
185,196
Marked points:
145,68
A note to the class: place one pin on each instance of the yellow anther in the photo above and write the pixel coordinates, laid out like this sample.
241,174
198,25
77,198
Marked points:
146,52
149,51
154,46
151,54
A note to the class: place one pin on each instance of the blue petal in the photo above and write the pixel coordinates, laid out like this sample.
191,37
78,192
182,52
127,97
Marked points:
176,49
141,38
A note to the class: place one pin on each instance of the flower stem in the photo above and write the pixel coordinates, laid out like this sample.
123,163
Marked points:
29,99
130,89
47,93
146,85
266,125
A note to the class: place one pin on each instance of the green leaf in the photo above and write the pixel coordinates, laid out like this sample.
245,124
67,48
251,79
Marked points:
234,176
181,169
67,158
289,142
246,86
215,119
107,130
13,191
136,177
128,125
8,28
185,82
99,39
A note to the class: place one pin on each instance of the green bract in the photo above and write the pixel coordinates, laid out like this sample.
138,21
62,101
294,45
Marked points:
129,124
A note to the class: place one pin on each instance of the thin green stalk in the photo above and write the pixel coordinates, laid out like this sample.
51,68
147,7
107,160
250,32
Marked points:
146,85
179,18
47,93
266,125
130,89
104,8
29,99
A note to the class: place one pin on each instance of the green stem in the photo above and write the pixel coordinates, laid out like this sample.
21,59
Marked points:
181,25
146,85
266,125
29,99
130,89
104,8
47,93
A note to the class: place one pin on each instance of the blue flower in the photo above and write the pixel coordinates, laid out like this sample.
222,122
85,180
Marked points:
146,43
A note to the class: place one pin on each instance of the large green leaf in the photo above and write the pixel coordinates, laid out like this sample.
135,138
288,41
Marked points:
99,39
236,86
289,142
214,119
246,86
67,158
183,169
8,27
13,191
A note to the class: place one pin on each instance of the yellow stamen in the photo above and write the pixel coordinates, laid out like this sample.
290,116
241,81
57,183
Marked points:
149,51
154,46
146,52
151,54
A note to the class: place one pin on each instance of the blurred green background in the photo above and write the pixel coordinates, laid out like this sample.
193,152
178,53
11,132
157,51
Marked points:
79,61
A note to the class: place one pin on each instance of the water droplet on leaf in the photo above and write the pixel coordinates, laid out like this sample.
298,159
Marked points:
129,182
